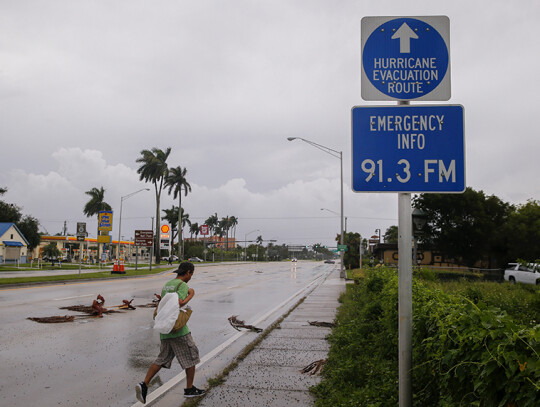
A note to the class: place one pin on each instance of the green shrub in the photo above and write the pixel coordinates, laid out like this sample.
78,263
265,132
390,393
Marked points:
466,351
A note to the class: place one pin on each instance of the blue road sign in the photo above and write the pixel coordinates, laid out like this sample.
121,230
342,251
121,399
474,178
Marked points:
408,149
405,58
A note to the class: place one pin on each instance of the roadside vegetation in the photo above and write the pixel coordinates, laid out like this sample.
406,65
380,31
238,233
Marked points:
474,344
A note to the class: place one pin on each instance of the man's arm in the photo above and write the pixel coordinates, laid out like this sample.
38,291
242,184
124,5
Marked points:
191,293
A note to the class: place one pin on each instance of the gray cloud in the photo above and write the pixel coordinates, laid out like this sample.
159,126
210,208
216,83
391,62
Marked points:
85,86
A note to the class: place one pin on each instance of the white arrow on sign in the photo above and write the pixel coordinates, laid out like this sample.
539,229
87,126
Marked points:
405,33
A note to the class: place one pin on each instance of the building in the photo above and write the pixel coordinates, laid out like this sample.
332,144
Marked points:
70,246
13,244
215,241
387,253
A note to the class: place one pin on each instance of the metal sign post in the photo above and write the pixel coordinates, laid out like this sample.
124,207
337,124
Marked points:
406,148
81,236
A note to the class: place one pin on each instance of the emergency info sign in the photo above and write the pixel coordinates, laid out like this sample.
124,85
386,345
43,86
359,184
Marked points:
408,148
406,58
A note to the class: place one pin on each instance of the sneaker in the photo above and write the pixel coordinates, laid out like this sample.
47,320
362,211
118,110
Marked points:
141,390
193,392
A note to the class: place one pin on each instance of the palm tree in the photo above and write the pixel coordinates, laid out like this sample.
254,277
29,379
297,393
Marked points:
212,223
185,219
95,205
225,224
176,181
194,229
154,169
233,221
259,242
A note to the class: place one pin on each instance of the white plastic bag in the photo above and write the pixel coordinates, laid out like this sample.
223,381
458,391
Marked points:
167,313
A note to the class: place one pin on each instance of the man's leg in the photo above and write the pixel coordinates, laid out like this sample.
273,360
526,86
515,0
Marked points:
152,371
142,388
190,376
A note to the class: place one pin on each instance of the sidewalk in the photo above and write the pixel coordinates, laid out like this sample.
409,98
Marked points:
270,374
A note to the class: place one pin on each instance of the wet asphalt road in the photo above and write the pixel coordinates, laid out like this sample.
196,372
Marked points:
98,361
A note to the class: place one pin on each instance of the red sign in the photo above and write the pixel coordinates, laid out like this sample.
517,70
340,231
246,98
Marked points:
144,238
204,230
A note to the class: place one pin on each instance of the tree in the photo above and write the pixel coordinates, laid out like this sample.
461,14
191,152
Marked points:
351,258
523,232
465,226
225,225
194,230
52,251
176,181
212,223
154,169
96,202
29,227
391,234
95,205
233,222
9,212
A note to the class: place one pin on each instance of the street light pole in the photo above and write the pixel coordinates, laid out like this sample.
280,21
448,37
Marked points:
337,154
122,199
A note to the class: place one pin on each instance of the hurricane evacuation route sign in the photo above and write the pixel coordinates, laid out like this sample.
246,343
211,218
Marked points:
406,58
408,148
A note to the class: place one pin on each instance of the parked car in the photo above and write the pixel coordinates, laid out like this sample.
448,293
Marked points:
330,261
519,273
173,258
195,259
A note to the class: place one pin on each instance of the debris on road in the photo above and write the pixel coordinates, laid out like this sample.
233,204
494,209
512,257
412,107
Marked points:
54,319
96,310
314,367
324,324
237,324
154,302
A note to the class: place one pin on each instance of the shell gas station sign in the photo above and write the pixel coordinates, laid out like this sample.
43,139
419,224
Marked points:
165,240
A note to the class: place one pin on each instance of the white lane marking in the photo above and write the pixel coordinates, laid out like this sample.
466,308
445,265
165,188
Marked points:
70,298
159,392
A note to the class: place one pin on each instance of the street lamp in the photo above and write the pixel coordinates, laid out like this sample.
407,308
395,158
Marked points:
245,241
336,154
122,199
335,213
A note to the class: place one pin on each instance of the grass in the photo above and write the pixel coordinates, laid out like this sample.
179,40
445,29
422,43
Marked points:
82,276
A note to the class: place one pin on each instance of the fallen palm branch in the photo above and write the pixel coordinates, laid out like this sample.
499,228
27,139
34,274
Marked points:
95,310
314,367
324,324
154,303
237,324
54,319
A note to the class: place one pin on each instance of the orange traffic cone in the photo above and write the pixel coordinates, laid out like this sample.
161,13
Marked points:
121,268
115,265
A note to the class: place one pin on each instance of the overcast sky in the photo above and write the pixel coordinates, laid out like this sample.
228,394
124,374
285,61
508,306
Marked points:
86,85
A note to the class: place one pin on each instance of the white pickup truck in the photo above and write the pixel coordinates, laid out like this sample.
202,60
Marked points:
518,273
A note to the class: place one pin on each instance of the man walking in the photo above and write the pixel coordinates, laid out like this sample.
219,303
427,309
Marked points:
179,343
